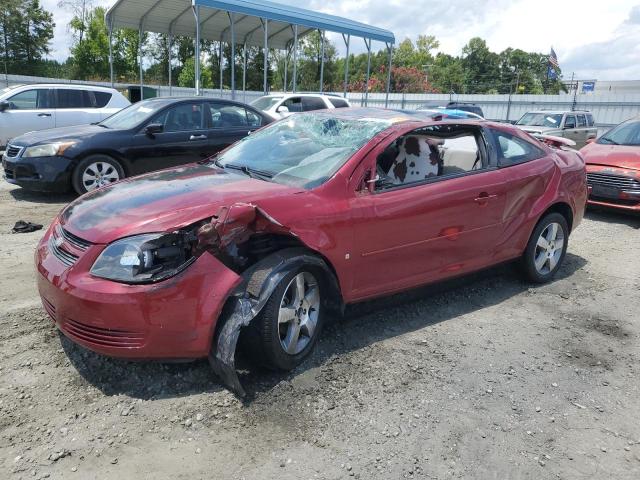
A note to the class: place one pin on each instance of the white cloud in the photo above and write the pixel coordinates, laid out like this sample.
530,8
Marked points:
593,38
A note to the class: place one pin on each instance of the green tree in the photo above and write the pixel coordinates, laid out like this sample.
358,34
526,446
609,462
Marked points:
481,66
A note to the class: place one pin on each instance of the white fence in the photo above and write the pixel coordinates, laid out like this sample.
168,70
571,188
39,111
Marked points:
608,108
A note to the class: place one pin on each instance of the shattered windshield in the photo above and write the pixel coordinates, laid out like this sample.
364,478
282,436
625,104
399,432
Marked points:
541,120
303,150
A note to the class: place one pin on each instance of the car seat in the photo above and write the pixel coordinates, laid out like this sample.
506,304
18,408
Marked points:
418,158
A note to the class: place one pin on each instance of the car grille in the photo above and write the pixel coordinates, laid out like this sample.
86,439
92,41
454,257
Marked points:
12,151
9,174
62,237
61,254
77,242
102,336
620,182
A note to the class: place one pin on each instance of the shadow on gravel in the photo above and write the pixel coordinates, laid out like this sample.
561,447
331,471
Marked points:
601,214
363,324
23,195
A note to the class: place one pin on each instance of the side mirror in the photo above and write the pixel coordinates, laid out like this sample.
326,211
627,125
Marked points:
153,128
4,105
591,140
282,109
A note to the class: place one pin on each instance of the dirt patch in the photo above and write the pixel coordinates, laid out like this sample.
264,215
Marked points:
487,377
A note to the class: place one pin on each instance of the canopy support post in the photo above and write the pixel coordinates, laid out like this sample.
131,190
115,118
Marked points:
367,42
220,52
386,98
321,60
169,59
295,58
244,73
140,60
196,14
265,25
347,42
286,69
111,50
233,56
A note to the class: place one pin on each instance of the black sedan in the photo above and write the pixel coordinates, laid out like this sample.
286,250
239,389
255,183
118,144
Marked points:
149,135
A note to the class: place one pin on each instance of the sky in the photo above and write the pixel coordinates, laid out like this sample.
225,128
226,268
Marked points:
595,39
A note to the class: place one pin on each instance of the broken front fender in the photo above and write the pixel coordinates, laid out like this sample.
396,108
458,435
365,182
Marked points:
250,297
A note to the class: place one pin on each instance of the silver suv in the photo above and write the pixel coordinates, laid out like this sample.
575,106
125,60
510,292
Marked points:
577,125
27,108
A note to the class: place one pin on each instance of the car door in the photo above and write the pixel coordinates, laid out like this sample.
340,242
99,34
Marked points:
74,107
527,172
582,132
183,139
569,128
229,123
29,110
437,227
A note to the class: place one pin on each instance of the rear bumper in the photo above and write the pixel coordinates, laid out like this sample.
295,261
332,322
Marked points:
46,174
173,319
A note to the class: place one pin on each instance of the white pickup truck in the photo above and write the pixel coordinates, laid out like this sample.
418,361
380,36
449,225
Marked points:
577,125
27,108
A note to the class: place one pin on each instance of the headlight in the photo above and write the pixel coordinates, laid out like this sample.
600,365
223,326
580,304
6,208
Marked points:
48,150
145,258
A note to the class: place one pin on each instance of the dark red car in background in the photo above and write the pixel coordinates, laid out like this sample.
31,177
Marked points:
613,167
302,217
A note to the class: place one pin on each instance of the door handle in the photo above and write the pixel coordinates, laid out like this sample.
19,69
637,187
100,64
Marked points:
198,137
44,114
484,197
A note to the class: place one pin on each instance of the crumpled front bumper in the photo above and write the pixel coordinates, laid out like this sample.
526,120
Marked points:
173,319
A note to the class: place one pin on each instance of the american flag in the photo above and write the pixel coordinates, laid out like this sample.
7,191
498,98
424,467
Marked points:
553,59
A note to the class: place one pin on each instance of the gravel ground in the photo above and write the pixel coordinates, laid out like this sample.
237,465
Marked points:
486,377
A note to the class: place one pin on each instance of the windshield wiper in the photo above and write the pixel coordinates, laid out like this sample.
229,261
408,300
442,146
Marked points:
250,172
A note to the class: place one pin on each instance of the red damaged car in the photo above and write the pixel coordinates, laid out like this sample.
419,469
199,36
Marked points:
613,167
302,217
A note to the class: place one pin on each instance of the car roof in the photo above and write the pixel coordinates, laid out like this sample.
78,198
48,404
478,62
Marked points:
557,112
75,86
285,95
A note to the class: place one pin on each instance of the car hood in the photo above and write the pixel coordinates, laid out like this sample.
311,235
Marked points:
61,134
162,201
622,156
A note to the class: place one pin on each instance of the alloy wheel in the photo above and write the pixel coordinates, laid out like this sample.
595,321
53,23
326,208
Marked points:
549,248
298,314
99,174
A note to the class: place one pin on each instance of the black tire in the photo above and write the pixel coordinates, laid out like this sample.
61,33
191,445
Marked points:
76,179
534,251
264,335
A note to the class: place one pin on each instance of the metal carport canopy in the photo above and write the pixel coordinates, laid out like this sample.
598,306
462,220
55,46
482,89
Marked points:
247,22
174,17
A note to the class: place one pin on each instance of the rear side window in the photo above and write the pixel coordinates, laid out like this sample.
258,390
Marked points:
69,98
512,150
582,121
229,116
312,103
102,99
590,121
338,103
30,100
